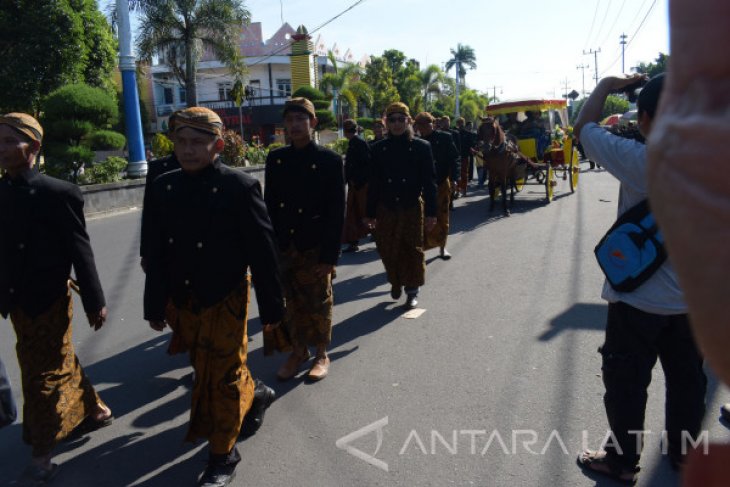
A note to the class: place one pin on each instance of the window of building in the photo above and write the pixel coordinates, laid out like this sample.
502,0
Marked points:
167,98
284,87
224,91
183,94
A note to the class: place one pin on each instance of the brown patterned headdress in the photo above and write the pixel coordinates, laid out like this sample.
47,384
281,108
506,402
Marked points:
25,124
198,118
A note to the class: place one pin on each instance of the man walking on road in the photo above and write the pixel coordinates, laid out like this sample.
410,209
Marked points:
647,323
402,189
446,159
357,172
43,236
305,194
209,225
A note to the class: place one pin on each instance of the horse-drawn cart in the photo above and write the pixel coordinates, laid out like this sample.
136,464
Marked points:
540,130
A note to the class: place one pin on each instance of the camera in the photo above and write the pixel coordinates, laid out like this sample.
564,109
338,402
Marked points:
632,91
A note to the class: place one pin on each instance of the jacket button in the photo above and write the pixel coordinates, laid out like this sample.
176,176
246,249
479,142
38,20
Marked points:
291,231
215,190
11,290
200,245
281,205
314,166
390,180
278,161
169,187
187,283
21,246
164,164
404,180
32,191
397,199
301,210
171,240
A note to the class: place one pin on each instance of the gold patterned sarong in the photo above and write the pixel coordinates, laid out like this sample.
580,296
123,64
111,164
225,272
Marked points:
354,228
309,300
218,343
57,395
399,239
439,233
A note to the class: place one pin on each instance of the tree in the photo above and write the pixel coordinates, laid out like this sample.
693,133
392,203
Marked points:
181,30
379,77
614,104
71,115
431,80
338,85
652,69
462,57
45,44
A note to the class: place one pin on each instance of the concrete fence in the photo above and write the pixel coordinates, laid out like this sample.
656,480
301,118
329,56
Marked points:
108,198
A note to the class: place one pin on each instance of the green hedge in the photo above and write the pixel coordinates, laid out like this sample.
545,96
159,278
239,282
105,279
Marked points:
107,140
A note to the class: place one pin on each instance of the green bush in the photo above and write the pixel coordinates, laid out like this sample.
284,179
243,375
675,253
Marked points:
321,104
65,161
107,171
107,140
339,146
70,130
309,92
256,155
365,122
161,145
81,102
326,119
275,145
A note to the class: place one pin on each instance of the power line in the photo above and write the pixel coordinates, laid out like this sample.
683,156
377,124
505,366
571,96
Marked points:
615,21
590,30
603,21
641,24
287,46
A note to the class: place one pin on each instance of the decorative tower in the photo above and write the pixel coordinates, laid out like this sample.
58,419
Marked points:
303,69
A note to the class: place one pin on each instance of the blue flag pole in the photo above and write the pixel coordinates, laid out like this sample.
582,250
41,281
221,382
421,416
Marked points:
137,165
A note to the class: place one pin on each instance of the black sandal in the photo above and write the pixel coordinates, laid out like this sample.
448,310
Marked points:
35,475
589,459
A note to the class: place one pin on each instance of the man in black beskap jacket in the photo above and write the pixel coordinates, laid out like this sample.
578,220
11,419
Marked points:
446,157
305,195
402,191
208,226
357,173
43,236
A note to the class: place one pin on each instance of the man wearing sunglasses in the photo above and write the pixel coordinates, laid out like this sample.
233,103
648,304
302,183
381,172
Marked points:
402,189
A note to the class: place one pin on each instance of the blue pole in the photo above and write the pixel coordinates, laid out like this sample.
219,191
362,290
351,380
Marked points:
137,165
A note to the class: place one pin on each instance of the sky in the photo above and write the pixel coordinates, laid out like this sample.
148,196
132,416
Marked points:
524,48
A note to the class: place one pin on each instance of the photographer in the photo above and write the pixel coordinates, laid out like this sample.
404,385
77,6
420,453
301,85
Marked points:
647,323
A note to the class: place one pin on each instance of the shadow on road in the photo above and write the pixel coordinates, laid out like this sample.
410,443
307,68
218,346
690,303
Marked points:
580,316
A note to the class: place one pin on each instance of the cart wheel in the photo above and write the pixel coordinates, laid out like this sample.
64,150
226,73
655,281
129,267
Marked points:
540,176
550,183
574,172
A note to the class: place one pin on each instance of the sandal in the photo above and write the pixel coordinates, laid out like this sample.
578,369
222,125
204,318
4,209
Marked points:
600,462
35,475
88,425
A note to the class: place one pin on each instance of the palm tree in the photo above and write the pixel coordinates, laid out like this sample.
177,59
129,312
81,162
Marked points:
181,30
431,79
461,57
345,85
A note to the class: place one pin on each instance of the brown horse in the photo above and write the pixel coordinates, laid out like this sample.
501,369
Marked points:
500,159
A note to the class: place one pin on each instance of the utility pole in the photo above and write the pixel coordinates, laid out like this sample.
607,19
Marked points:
623,49
494,91
137,164
565,88
595,60
583,68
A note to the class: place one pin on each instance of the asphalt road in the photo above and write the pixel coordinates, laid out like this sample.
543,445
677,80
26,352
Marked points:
497,383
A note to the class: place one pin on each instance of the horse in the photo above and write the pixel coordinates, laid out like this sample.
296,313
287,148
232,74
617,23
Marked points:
501,158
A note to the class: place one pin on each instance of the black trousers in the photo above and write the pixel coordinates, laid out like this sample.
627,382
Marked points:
8,411
634,341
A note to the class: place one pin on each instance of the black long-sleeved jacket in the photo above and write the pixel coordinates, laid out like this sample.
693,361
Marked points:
43,236
206,230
